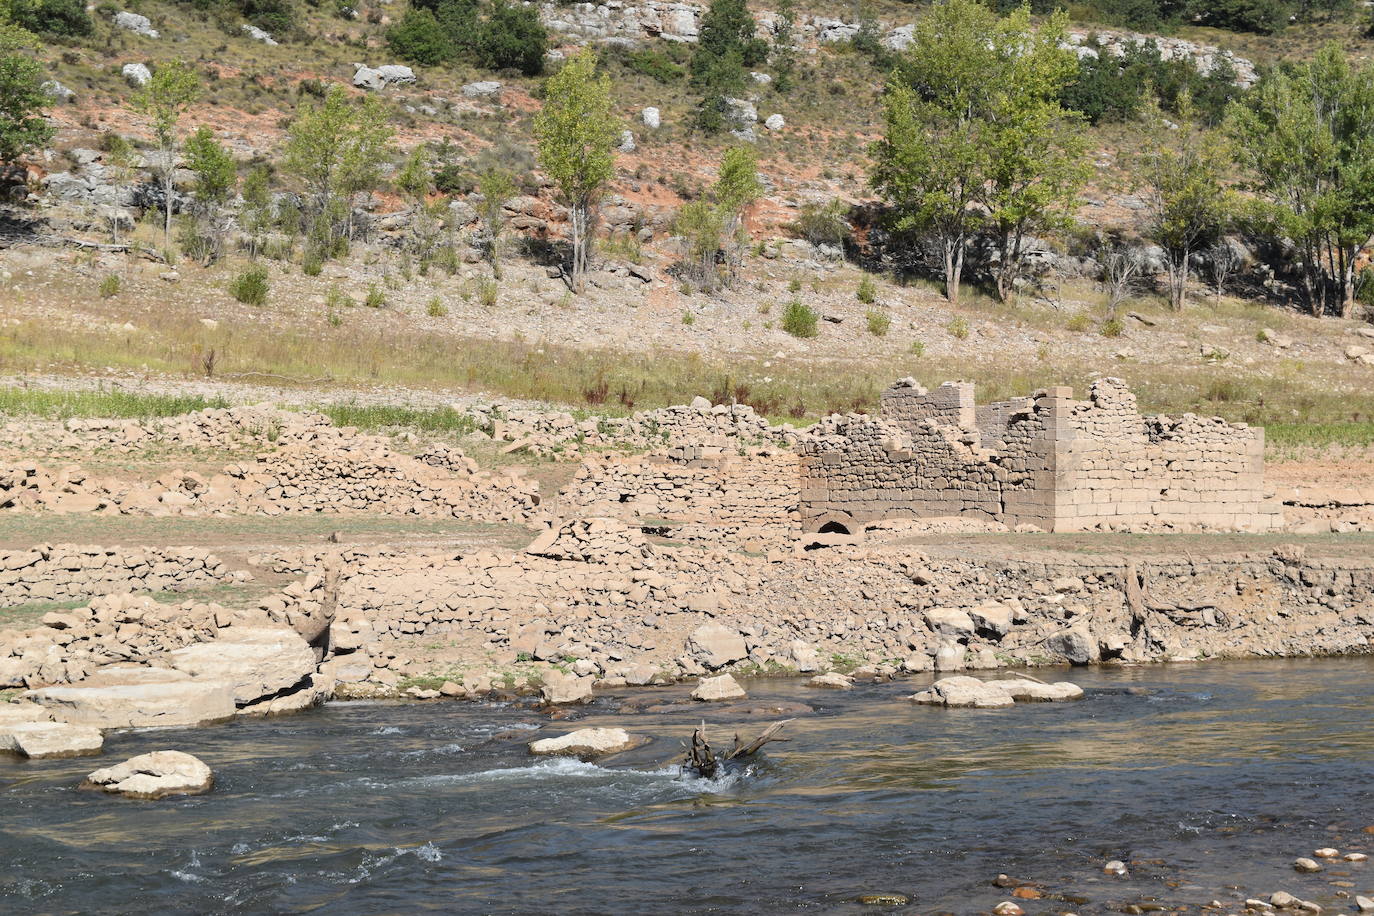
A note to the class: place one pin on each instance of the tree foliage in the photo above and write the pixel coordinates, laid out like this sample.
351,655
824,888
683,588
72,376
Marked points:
577,136
976,138
501,36
713,224
175,87
215,176
23,128
1306,133
726,49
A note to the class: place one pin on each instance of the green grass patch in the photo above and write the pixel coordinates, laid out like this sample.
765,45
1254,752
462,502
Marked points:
1319,435
385,416
124,405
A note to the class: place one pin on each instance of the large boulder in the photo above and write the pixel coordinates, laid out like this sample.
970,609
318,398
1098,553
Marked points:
43,740
587,742
258,661
715,689
992,619
1075,645
716,646
950,623
155,775
1023,690
964,692
136,75
170,703
560,688
133,22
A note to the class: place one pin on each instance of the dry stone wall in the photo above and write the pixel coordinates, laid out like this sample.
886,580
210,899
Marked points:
66,571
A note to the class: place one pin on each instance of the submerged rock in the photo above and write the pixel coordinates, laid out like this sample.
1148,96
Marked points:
587,742
155,775
1024,690
833,680
884,899
963,692
713,689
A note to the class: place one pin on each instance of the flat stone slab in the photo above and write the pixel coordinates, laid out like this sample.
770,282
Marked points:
258,662
180,703
588,742
47,740
155,775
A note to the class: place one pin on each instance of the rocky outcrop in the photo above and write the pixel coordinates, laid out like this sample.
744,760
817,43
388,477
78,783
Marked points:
972,693
167,703
587,742
46,740
65,571
379,78
133,22
152,776
256,662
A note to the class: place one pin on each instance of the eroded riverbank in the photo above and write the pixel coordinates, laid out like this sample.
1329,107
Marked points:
1206,780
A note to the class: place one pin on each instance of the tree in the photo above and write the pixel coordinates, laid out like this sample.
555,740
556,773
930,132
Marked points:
513,37
497,187
173,89
700,225
976,137
22,99
1306,133
216,175
736,189
120,161
577,136
55,18
1188,205
726,48
257,206
784,57
419,37
337,149
714,222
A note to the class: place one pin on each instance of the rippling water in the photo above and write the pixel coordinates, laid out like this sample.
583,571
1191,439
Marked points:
1207,779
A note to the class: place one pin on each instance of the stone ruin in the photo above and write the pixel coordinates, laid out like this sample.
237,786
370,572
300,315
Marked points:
1046,461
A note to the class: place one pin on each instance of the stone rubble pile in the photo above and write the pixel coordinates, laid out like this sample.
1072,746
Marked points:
65,571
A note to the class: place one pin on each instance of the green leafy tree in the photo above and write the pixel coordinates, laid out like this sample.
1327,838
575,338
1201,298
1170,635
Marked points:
715,221
577,137
337,149
784,56
257,206
513,37
120,160
418,37
1306,133
975,136
215,177
53,18
726,48
174,88
700,224
497,186
1189,205
23,128
737,188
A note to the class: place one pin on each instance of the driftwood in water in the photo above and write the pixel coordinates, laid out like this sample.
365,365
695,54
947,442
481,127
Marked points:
705,762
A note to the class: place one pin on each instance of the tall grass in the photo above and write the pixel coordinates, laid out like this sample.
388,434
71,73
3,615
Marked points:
124,405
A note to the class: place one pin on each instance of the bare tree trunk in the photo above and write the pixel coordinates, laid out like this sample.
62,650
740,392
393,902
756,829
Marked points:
578,214
954,267
167,176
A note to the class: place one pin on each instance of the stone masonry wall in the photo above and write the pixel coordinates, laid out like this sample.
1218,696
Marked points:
66,571
1049,461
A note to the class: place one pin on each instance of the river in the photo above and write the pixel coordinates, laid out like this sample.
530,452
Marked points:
1207,779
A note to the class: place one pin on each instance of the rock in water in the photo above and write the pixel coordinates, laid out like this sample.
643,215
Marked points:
565,688
1306,865
257,661
833,680
587,742
155,775
964,692
140,705
884,899
46,740
712,689
1034,691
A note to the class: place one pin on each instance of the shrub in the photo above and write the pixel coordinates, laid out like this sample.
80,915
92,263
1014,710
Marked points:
436,308
918,348
688,318
867,293
54,18
958,328
798,320
109,287
654,64
487,293
275,16
878,322
1078,323
335,298
250,287
418,37
312,264
822,224
513,37
794,285
1112,327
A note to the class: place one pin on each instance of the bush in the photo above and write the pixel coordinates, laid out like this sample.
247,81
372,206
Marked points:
250,287
822,224
958,328
375,298
109,287
513,37
313,263
487,293
1112,327
55,18
418,37
335,298
867,293
275,16
878,322
798,320
436,308
653,63
918,348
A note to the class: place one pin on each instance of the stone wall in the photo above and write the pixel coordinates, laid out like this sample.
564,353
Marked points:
1049,461
67,571
755,495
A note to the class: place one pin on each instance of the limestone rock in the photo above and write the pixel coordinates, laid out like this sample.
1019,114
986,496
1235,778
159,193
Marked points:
716,646
950,623
833,680
587,742
258,662
139,705
1024,690
560,688
651,118
133,22
481,89
964,692
40,740
1076,645
136,74
775,122
992,619
713,689
155,775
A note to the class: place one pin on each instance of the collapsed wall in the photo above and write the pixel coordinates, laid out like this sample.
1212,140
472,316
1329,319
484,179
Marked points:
1047,461
67,571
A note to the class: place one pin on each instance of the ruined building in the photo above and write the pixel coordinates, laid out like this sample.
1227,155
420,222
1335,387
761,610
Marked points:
1047,461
